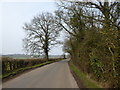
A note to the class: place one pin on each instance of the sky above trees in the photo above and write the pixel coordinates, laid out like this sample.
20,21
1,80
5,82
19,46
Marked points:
14,15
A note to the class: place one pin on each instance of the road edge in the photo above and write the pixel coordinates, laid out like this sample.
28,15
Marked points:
82,82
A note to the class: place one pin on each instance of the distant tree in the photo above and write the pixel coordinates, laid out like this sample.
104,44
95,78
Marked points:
41,34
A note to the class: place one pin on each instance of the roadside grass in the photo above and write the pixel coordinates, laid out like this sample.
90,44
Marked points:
83,77
12,73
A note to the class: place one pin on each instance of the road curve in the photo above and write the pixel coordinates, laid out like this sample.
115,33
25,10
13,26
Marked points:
55,75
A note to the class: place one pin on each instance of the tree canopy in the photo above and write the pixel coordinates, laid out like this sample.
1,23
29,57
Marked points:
42,32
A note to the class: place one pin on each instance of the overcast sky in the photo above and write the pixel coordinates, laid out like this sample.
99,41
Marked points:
14,15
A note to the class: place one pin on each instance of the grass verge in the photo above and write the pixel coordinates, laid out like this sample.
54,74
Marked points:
83,77
20,70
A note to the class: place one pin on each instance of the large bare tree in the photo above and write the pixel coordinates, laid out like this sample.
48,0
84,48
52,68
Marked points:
42,32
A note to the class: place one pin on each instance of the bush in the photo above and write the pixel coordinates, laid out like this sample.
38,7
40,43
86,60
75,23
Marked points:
10,64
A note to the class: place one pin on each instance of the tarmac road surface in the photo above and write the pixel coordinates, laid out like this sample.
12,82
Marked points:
55,75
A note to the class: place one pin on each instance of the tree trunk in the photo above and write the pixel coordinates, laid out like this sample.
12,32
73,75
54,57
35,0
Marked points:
46,54
46,46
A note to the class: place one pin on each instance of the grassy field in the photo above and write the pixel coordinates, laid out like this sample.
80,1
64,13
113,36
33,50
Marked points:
22,56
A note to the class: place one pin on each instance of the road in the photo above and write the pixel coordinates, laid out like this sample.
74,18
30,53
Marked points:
55,75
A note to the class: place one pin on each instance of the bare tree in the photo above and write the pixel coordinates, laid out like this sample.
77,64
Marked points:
42,32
